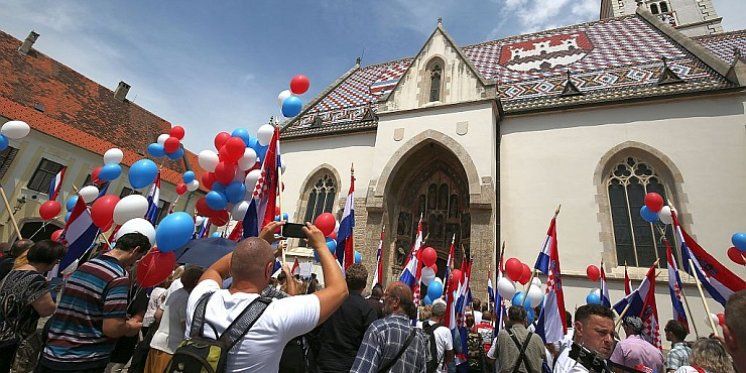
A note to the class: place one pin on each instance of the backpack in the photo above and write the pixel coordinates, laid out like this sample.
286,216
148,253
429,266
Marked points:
432,364
199,354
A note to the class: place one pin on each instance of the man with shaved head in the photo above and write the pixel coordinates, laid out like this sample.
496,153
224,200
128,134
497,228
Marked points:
393,344
250,265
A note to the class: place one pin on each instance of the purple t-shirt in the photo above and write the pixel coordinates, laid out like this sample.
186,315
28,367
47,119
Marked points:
634,351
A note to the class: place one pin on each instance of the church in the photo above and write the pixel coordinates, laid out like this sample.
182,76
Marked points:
484,142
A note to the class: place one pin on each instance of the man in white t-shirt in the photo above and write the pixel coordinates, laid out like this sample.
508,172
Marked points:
594,332
441,334
250,265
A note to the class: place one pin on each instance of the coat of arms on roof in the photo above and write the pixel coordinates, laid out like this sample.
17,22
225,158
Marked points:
546,53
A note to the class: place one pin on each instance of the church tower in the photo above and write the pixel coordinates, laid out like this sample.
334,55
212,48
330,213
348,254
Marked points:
691,17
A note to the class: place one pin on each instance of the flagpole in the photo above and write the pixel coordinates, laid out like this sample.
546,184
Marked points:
683,294
704,301
626,308
279,188
533,272
10,213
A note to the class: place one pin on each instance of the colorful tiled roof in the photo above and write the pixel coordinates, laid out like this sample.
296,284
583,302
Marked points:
724,45
55,99
609,60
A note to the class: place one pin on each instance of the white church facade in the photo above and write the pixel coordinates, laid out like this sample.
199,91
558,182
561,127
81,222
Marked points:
485,141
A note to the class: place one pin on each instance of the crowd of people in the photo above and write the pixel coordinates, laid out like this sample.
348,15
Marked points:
239,315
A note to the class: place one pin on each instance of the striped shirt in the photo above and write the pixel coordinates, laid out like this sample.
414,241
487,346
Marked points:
382,342
96,291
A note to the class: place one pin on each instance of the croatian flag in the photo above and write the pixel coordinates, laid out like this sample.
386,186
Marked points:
409,274
378,274
450,319
674,287
154,195
720,282
56,184
204,228
295,271
641,303
551,326
264,197
464,299
627,281
605,299
490,291
79,234
344,236
498,321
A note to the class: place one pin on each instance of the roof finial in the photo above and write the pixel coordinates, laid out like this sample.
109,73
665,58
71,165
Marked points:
440,21
357,61
736,54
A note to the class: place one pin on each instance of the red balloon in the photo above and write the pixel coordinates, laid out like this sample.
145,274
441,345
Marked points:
654,201
94,175
429,256
102,211
207,179
593,273
181,188
326,223
203,209
56,235
736,256
525,274
434,267
177,132
418,255
299,84
171,145
721,319
221,138
155,267
224,172
455,278
332,236
513,269
49,210
220,218
234,149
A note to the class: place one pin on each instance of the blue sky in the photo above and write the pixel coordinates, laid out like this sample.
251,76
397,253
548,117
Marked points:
213,66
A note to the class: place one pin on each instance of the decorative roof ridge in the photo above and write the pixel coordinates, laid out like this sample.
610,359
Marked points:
321,95
694,47
73,71
402,59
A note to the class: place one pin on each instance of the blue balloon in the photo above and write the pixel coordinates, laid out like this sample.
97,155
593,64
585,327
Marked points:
70,204
178,154
261,151
174,231
358,257
518,299
291,106
530,315
235,191
4,142
110,172
218,187
215,234
253,142
739,241
243,134
435,290
332,245
188,177
216,200
156,150
593,298
427,300
67,216
648,215
142,173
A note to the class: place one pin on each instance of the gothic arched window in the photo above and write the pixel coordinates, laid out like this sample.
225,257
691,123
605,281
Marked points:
654,8
435,75
637,241
664,7
321,197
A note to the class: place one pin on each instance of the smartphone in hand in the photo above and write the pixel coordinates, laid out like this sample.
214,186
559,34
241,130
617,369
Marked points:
292,230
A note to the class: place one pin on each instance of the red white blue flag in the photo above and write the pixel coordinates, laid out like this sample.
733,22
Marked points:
409,275
264,197
674,287
641,303
627,281
154,196
346,256
605,299
56,184
79,234
378,274
551,326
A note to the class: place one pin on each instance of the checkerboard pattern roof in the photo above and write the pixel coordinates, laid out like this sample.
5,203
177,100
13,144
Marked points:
609,60
724,45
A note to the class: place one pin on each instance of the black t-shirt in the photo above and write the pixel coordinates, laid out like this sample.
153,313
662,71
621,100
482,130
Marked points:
18,318
341,335
6,265
125,347
377,306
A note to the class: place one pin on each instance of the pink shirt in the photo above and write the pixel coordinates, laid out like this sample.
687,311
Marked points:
634,351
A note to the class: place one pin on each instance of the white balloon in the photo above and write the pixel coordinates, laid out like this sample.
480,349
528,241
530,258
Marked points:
131,207
113,155
193,185
162,138
239,210
536,281
15,129
264,134
596,291
198,220
427,275
282,96
505,287
88,193
439,300
534,295
208,160
665,215
251,179
138,225
248,160
714,318
336,226
438,280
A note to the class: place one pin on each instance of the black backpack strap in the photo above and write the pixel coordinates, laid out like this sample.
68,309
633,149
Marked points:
198,319
241,325
389,364
522,355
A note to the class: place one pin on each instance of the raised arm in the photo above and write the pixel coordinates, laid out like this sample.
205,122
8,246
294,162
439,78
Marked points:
335,290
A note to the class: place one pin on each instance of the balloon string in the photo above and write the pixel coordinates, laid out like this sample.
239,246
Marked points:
44,224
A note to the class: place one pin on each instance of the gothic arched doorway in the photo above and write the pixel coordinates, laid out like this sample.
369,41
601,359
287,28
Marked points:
431,183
